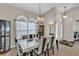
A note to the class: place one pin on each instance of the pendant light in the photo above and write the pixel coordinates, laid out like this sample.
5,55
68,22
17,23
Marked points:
40,18
65,15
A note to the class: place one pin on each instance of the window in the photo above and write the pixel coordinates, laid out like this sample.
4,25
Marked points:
59,27
59,30
31,27
21,27
25,27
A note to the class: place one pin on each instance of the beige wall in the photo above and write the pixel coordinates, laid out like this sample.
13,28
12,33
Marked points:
49,18
70,25
75,17
11,13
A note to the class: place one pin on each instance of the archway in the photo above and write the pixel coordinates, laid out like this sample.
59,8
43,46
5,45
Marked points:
59,29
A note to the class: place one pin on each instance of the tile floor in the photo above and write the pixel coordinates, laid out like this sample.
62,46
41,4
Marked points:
63,51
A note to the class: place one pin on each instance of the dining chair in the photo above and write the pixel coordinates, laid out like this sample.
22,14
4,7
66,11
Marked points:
37,35
42,47
34,36
19,52
25,37
31,36
57,44
50,44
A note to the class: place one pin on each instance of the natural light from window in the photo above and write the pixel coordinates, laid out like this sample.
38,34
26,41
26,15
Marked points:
25,27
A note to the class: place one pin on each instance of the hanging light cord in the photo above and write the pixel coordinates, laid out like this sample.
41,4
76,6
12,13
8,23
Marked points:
40,18
64,10
39,10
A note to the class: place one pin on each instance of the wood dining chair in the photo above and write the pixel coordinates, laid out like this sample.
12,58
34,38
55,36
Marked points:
42,47
50,45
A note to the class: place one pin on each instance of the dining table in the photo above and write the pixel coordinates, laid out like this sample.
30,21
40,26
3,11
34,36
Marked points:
27,45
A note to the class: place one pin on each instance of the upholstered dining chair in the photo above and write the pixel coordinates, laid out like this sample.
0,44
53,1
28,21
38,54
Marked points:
31,36
25,37
50,44
18,37
37,35
19,52
42,47
57,44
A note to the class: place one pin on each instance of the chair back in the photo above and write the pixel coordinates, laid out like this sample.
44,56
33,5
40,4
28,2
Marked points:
31,36
41,45
19,37
37,35
25,37
51,41
18,52
45,47
34,36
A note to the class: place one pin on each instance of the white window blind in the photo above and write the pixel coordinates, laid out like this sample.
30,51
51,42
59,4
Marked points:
25,27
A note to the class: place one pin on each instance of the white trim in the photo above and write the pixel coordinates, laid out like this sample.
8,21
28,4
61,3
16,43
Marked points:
13,46
19,17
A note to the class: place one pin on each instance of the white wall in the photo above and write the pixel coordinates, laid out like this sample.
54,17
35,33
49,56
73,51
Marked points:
11,13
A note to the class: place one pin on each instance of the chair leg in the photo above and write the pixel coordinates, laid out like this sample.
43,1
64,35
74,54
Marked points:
17,54
53,50
27,54
24,54
31,53
35,53
47,52
57,44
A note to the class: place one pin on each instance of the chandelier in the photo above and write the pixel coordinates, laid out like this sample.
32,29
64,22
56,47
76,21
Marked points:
40,18
65,15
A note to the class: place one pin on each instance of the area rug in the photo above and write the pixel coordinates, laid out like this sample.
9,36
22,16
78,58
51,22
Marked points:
67,43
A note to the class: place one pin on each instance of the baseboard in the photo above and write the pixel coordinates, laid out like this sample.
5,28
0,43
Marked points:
13,46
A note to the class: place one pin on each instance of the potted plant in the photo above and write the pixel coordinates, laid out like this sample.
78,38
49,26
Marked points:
40,33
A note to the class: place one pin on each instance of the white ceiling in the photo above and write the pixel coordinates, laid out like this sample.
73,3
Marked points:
45,7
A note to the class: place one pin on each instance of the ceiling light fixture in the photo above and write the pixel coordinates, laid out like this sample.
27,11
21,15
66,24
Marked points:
65,15
40,18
